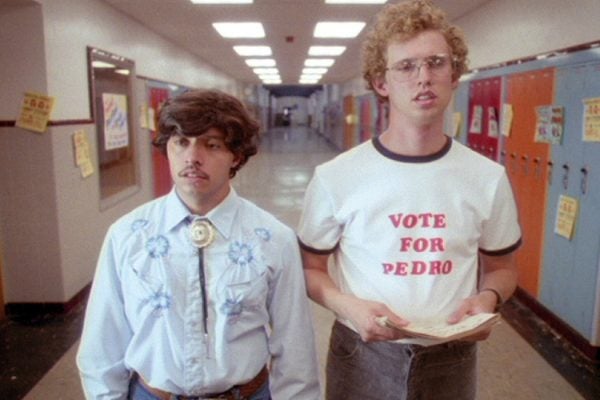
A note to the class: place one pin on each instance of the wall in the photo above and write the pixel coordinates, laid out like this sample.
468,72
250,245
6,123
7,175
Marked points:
503,30
51,225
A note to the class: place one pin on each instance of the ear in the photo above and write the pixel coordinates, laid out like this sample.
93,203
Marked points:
381,86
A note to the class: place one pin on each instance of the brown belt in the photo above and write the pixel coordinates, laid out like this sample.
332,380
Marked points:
237,392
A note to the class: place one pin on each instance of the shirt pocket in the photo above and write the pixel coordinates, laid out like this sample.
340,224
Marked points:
244,301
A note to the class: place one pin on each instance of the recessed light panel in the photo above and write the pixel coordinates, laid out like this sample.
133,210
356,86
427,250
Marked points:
222,1
319,62
338,29
355,1
253,51
326,50
240,29
260,62
320,71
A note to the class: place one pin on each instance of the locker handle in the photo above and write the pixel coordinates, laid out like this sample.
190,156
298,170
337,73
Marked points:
513,156
584,176
525,167
565,179
550,166
537,170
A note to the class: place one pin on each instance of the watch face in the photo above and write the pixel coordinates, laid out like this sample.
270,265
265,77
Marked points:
202,232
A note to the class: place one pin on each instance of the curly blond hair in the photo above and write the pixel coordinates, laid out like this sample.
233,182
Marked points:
403,21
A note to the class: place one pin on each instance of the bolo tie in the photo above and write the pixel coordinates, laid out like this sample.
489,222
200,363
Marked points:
202,234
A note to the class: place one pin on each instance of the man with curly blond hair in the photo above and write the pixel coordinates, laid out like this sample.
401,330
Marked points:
410,226
200,294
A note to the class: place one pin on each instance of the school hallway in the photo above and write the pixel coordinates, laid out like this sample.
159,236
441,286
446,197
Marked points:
38,356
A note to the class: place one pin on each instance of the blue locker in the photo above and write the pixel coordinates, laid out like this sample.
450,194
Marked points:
570,268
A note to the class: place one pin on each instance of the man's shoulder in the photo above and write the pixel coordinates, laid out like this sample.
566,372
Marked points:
361,154
262,217
140,215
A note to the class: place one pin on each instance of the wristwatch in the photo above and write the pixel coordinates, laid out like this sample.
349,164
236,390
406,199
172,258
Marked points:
499,299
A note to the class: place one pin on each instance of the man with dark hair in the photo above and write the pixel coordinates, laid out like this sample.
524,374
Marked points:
200,293
419,228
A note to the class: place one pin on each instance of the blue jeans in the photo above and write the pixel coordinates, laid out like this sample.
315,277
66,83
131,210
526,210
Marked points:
392,371
139,392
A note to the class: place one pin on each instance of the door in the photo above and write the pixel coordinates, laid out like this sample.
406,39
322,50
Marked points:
484,107
526,163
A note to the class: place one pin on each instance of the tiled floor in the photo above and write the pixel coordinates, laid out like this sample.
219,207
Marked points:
510,368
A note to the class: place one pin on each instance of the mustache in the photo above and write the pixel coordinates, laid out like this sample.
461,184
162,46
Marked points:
192,169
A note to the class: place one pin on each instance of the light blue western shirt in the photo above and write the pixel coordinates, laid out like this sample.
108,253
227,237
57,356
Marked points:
145,311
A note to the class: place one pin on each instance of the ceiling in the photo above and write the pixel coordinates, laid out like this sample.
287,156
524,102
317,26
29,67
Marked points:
190,26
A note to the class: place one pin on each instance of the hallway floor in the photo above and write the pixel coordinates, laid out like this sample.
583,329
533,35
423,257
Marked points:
37,357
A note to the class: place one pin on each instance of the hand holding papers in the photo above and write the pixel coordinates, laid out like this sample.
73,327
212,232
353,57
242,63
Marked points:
444,331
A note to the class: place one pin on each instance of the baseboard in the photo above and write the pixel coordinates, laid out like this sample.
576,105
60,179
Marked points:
27,310
559,326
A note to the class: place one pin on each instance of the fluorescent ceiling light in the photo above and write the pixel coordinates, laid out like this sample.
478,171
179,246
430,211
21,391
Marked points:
271,81
253,50
122,71
240,29
222,1
310,77
319,62
269,76
314,71
261,71
260,62
354,1
326,50
338,29
307,82
102,64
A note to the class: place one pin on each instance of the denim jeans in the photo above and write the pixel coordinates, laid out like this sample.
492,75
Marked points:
139,392
392,371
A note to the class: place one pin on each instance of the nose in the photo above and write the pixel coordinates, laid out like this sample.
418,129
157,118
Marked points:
194,154
426,76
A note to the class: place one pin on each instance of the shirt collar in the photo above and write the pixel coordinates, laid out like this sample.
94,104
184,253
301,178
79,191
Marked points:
222,216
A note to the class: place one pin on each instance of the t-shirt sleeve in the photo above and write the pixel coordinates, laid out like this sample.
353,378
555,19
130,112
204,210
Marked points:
501,231
319,231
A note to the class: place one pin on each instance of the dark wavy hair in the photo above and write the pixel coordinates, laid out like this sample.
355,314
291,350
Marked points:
404,21
196,111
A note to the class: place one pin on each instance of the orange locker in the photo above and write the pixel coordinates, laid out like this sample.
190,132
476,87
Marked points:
527,167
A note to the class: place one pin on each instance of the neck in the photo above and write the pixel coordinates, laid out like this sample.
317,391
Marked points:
412,140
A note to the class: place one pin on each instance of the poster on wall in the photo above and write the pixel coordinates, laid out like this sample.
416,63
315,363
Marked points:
566,215
507,118
492,122
476,120
81,147
549,124
456,122
116,128
591,120
35,112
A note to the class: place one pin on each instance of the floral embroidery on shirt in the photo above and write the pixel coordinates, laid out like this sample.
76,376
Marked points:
232,308
139,224
157,246
159,301
263,233
241,254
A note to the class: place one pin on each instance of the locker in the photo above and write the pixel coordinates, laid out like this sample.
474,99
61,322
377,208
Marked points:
526,164
570,273
484,95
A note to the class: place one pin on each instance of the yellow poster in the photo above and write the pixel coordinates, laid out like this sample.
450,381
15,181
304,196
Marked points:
591,120
35,112
81,147
456,121
566,215
507,118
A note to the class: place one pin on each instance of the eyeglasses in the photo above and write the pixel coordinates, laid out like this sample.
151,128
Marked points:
406,70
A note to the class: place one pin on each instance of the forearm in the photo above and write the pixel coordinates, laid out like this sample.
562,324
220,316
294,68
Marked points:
499,276
323,290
